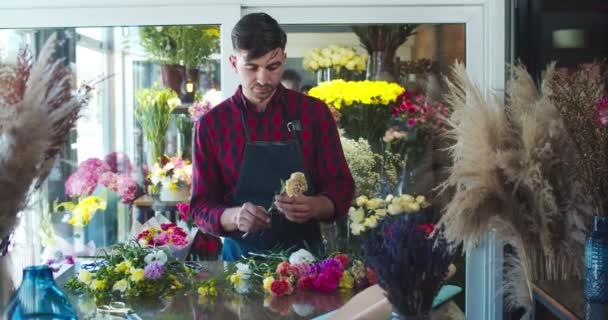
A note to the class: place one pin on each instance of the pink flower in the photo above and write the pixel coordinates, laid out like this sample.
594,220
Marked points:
395,111
300,270
199,109
69,259
284,269
184,211
325,283
118,162
411,122
109,180
334,273
126,188
601,112
85,179
412,109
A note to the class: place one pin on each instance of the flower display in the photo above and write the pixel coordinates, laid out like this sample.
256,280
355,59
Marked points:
417,111
335,57
114,172
168,234
130,270
365,106
173,172
79,214
367,213
601,112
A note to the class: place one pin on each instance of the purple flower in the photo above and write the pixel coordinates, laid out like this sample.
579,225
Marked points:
331,263
118,162
69,259
154,270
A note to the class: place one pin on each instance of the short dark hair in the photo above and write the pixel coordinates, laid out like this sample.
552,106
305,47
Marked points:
258,34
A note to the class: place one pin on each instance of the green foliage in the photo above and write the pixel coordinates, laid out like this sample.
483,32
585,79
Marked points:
189,46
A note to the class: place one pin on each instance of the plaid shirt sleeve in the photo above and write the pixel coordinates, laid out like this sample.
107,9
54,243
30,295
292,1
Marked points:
332,172
207,186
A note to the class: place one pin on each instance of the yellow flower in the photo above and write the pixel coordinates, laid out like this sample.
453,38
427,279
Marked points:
267,282
356,215
235,279
296,185
124,266
203,291
83,211
176,284
98,284
212,291
370,222
361,201
85,276
374,204
335,92
137,274
420,199
380,213
347,281
394,209
120,285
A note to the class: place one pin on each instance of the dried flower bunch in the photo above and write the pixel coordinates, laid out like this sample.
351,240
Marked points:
38,107
578,97
515,171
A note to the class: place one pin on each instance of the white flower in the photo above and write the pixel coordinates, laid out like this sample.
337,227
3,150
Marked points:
394,209
361,201
356,228
389,198
301,256
85,277
371,222
158,256
374,204
356,215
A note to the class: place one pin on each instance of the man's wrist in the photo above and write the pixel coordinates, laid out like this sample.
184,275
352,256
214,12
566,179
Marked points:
228,219
325,208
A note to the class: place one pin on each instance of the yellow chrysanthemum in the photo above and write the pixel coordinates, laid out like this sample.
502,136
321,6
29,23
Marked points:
124,266
85,276
137,274
267,282
98,284
340,93
296,184
83,211
347,281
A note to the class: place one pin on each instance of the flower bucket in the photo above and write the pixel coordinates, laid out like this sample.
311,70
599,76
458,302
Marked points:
179,195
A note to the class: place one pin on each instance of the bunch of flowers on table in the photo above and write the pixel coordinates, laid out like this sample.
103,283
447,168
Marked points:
130,270
278,274
160,232
173,172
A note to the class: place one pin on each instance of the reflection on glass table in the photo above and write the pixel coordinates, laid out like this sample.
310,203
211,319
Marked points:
227,305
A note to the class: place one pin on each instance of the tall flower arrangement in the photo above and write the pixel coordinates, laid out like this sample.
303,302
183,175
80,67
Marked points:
153,113
365,106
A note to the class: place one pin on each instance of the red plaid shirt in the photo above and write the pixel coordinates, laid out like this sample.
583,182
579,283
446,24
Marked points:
219,142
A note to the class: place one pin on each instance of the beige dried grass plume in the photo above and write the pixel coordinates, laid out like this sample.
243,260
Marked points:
38,107
514,171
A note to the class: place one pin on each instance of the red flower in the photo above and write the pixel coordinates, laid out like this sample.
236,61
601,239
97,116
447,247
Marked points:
343,260
280,287
371,277
284,269
427,227
306,283
395,111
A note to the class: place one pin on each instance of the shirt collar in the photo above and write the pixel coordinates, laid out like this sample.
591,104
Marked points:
276,97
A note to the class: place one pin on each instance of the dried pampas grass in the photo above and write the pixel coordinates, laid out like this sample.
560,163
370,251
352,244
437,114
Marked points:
514,170
38,107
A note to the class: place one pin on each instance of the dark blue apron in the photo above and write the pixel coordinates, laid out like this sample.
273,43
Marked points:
264,165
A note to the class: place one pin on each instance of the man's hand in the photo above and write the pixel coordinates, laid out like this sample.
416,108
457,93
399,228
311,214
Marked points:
301,209
247,218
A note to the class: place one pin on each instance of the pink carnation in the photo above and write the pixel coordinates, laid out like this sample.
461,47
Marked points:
85,179
325,283
300,270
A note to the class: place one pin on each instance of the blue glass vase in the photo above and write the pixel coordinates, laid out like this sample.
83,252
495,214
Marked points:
596,262
38,297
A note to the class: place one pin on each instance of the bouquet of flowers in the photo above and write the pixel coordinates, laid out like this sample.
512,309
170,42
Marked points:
368,212
365,106
130,270
160,232
335,57
411,262
171,172
153,113
278,274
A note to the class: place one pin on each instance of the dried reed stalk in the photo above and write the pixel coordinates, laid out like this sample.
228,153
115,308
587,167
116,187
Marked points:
514,170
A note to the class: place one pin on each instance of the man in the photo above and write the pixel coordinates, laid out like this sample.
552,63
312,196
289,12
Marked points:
248,143
291,80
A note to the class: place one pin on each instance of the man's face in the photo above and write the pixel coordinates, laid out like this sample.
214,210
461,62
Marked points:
261,76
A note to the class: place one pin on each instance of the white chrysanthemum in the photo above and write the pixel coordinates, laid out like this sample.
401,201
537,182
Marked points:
157,256
296,185
301,256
